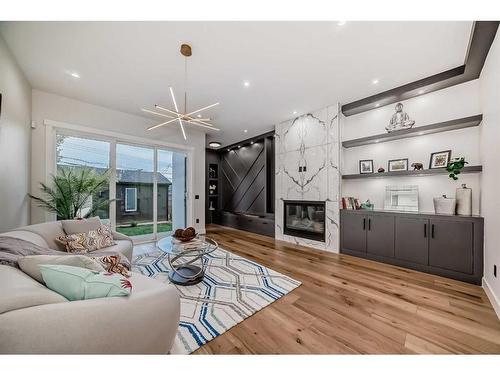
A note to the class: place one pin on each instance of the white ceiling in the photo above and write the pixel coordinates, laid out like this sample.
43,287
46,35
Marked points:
291,66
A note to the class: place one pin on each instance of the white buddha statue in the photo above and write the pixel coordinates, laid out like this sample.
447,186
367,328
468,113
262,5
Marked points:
400,120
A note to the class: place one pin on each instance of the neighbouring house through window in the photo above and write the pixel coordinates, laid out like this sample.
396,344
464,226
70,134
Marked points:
130,199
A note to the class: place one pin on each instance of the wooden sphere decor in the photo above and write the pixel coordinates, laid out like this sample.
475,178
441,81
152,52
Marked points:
186,50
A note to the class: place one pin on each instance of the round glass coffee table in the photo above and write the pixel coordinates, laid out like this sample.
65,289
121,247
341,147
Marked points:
186,258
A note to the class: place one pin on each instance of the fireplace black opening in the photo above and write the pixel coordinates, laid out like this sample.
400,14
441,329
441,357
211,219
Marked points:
304,219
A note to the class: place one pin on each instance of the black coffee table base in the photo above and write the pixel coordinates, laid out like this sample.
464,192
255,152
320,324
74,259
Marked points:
177,276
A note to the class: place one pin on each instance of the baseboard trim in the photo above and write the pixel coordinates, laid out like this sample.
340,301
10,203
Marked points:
495,302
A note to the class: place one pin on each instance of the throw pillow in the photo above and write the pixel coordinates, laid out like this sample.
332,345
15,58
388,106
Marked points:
90,241
111,263
81,226
75,283
30,264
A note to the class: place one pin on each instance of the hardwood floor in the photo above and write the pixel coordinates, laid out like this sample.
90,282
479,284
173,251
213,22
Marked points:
351,305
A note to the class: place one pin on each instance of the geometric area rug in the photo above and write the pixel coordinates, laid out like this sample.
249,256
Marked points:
233,289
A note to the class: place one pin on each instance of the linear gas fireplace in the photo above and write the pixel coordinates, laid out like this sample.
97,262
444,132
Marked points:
305,219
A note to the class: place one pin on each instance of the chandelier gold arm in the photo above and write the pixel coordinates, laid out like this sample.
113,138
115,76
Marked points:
201,109
162,124
203,125
157,113
168,110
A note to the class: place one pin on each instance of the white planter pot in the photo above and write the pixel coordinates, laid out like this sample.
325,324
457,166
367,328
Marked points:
464,200
445,206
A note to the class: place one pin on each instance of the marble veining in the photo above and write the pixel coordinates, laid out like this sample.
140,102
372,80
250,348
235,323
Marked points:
307,157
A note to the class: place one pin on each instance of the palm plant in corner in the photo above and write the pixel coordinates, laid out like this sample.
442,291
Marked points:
71,190
455,166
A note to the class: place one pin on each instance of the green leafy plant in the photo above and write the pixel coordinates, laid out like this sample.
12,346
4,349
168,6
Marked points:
71,190
455,166
133,224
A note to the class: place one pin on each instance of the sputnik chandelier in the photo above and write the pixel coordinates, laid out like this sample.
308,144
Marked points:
185,116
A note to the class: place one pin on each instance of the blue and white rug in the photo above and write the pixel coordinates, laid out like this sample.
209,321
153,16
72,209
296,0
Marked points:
233,289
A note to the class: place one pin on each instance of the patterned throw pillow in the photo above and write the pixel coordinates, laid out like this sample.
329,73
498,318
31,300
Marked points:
111,263
90,241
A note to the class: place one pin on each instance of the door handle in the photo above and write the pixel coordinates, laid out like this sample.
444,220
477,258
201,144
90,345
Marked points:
432,231
364,223
370,224
425,230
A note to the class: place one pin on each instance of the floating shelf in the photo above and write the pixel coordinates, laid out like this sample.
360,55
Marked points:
466,122
425,172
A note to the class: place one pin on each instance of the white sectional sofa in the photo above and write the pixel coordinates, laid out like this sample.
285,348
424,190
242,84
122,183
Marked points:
34,319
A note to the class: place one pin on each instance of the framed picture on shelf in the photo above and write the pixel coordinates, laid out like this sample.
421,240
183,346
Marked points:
397,165
440,159
365,166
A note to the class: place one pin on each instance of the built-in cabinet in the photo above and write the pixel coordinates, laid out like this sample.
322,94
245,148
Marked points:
450,246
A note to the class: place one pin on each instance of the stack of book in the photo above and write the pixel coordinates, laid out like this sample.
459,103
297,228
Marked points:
351,203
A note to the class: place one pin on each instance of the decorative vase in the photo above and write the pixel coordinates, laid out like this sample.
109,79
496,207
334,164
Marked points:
444,205
464,200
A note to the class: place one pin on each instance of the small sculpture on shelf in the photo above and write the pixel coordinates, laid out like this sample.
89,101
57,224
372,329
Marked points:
417,166
367,205
211,189
381,170
399,120
212,173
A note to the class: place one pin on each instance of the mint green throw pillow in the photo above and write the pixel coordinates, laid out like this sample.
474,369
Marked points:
77,283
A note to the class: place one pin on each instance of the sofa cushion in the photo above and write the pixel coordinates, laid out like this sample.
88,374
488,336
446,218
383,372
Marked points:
81,226
49,231
77,283
20,291
124,247
30,264
27,236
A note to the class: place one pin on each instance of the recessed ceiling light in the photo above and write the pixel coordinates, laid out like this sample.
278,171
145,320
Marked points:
294,112
341,23
214,144
245,131
74,75
376,141
377,105
421,92
239,146
375,81
198,115
246,83
228,149
252,143
420,133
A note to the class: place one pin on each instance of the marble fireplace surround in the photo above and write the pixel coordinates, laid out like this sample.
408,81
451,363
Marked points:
307,152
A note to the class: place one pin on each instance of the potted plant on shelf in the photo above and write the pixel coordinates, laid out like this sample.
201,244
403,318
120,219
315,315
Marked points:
455,166
72,190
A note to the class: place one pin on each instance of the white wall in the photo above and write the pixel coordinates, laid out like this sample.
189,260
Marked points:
447,104
48,106
15,122
490,152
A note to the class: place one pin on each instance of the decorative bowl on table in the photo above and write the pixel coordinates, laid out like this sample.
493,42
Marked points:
185,235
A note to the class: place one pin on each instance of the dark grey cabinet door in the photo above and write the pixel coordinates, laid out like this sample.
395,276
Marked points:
451,245
380,235
412,240
353,232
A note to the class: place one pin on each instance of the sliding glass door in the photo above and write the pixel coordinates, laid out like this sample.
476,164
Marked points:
78,153
135,185
149,183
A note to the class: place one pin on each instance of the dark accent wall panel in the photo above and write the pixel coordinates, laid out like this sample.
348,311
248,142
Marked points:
243,179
